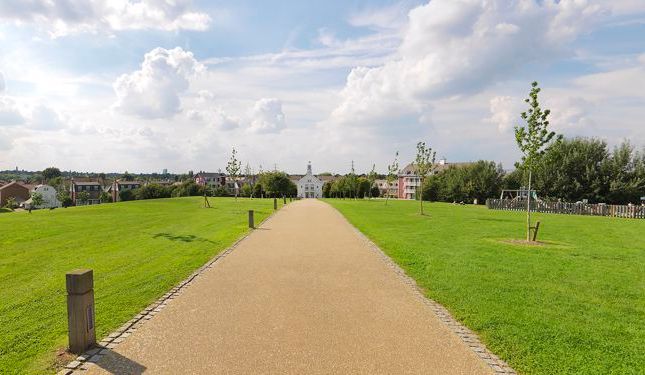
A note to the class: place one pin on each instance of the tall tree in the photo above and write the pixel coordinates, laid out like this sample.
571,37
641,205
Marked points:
51,172
371,177
424,165
392,172
533,140
233,169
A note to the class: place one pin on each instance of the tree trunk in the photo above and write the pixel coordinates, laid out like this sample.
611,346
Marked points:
528,211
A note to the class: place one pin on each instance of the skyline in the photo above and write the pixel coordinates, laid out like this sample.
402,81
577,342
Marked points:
147,86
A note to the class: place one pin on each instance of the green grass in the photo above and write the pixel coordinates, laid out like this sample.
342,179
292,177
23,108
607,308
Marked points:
573,306
138,250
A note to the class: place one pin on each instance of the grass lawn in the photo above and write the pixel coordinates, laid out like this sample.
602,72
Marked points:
138,250
575,305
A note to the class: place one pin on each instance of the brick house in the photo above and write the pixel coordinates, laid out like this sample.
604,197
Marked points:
92,188
13,189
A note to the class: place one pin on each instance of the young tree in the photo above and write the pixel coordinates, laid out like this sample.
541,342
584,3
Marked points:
83,197
11,203
248,174
533,140
233,169
371,177
392,171
425,164
36,200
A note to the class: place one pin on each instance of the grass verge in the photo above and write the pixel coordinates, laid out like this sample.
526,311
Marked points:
138,250
574,305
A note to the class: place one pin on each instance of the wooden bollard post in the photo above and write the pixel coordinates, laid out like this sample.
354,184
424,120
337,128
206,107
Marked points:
535,230
275,203
80,310
284,199
251,220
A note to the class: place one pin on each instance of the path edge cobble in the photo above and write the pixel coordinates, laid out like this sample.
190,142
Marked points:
89,358
470,338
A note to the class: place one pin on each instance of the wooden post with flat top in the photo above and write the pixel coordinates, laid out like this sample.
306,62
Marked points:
251,220
80,310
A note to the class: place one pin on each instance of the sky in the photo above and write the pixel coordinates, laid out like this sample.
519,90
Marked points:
147,85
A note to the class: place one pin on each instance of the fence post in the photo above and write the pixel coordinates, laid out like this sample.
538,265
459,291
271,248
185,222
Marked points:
80,310
251,220
275,203
284,199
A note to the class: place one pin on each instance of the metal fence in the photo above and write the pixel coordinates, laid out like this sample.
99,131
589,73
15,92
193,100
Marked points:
632,212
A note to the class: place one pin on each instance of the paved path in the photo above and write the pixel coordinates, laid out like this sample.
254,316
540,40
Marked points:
304,294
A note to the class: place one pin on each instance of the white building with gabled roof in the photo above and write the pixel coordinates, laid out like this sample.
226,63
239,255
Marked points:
309,186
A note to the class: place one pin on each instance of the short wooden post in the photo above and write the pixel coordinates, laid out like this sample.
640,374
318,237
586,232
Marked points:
284,199
275,203
80,310
251,220
535,230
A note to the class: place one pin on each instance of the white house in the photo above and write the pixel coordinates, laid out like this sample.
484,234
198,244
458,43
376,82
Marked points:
310,186
49,197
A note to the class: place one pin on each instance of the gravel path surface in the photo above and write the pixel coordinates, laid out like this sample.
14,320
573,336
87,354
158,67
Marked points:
303,294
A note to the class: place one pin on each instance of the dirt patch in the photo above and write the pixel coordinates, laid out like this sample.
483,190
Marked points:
525,242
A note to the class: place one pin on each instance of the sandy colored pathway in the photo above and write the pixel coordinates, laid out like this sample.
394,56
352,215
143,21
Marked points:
302,295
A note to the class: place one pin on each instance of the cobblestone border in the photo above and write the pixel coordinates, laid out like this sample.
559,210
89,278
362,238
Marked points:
469,337
83,362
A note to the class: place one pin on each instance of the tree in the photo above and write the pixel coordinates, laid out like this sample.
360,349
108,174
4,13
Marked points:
276,184
352,183
424,164
371,177
233,169
246,190
83,197
127,177
36,200
250,179
392,171
126,195
11,203
105,197
64,198
532,140
51,172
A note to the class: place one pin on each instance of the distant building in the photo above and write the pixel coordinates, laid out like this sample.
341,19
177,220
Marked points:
409,180
13,189
217,179
165,171
50,200
385,189
92,188
309,186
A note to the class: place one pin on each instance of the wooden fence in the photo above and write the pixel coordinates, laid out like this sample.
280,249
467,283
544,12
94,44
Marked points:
632,212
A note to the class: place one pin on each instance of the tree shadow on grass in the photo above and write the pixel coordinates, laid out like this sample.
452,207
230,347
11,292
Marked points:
181,238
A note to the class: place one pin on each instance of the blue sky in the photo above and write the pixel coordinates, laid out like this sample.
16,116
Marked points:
146,85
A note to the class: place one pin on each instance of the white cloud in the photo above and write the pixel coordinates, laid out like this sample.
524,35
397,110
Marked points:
458,48
267,116
387,17
61,18
45,118
2,84
504,113
222,121
154,90
9,112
